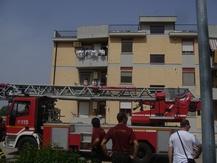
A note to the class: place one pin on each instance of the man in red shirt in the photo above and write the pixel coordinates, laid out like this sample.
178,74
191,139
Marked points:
97,136
122,138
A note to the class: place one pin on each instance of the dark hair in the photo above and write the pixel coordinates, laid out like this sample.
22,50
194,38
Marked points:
95,122
122,117
184,123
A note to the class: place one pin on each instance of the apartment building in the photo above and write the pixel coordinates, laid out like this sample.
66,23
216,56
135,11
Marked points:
156,52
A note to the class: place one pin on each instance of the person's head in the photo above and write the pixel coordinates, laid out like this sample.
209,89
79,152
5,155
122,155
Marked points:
122,117
96,122
185,124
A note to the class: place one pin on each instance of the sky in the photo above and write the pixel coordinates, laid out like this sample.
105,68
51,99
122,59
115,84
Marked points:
27,28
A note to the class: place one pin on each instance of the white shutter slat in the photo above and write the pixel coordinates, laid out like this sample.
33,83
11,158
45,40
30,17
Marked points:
187,46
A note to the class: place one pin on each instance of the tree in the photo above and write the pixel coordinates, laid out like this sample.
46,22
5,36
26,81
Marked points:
3,110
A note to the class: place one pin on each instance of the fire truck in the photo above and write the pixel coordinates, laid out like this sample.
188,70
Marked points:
33,119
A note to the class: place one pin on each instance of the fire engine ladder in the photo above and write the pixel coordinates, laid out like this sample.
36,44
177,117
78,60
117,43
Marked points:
88,92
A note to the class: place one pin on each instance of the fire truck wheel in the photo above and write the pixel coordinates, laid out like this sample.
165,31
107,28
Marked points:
26,142
144,153
192,107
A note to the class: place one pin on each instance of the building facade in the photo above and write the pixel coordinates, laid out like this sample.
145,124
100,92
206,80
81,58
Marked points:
154,53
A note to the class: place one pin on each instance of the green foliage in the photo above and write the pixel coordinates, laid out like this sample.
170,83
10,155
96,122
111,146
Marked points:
48,155
3,111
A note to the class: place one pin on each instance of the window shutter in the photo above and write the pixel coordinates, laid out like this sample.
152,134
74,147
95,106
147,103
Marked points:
187,46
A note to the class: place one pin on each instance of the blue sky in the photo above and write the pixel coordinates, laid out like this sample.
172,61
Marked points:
27,26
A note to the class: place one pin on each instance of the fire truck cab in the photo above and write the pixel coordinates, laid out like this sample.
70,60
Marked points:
25,118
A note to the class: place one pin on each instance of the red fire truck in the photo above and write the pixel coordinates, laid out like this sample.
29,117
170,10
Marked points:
32,118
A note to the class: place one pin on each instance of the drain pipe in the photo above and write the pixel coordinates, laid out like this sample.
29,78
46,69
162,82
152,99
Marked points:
55,61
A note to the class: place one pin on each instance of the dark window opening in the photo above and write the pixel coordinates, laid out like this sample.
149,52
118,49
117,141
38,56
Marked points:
126,75
157,58
127,45
157,86
157,29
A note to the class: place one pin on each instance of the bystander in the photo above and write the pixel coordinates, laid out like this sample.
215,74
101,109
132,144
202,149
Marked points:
122,138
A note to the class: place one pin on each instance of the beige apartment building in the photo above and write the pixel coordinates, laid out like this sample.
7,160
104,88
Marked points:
156,52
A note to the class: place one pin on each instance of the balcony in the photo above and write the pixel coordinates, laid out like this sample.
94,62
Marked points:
134,29
126,30
91,58
186,27
65,36
123,28
184,30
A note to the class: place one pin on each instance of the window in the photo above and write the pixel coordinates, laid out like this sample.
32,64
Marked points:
126,107
21,108
84,78
155,88
127,45
126,75
157,58
188,76
157,29
187,47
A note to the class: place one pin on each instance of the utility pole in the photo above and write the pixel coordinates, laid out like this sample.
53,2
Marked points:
208,135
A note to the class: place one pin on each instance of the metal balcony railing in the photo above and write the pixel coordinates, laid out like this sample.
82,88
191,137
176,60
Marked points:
65,34
124,28
186,27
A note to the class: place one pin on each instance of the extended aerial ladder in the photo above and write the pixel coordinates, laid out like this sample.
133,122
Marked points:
166,104
88,92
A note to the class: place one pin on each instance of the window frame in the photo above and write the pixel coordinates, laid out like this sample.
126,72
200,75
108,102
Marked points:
124,46
157,29
126,70
188,52
188,71
157,62
19,111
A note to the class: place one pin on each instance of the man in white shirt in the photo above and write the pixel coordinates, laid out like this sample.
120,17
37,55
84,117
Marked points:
176,153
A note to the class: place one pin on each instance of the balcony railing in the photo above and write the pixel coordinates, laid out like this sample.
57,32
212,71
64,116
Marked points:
124,28
120,28
89,53
186,27
65,34
91,57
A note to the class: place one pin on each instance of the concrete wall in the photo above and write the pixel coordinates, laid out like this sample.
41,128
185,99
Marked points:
68,109
65,67
113,74
114,50
144,77
100,31
112,110
66,73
